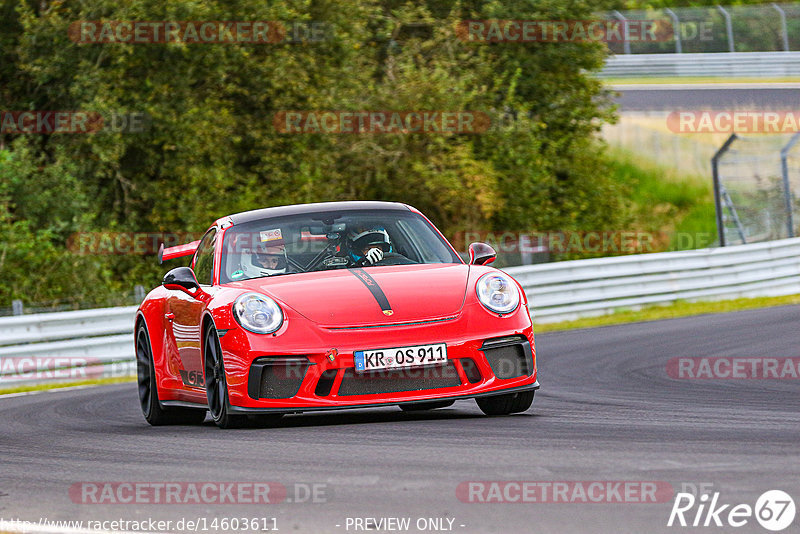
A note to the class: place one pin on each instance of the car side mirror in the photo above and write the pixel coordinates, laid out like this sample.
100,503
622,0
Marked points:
481,254
181,278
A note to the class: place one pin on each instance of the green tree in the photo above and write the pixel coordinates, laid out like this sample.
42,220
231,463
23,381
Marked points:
212,148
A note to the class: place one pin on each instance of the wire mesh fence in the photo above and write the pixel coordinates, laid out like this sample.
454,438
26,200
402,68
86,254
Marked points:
756,177
744,28
755,181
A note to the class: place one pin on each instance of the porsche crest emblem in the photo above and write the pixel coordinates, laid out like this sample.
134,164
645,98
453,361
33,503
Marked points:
332,354
387,313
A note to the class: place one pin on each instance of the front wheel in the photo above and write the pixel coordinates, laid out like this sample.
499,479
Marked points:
506,404
217,386
152,410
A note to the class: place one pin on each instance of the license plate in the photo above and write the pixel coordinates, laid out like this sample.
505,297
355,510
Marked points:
400,357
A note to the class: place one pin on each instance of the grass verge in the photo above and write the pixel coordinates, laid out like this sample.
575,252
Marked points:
59,385
677,208
678,309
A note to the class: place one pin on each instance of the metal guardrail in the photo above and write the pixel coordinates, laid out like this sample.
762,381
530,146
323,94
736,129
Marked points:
65,325
729,64
66,346
573,289
100,342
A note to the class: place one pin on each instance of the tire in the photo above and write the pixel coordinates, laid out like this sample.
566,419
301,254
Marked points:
217,385
419,406
153,412
506,404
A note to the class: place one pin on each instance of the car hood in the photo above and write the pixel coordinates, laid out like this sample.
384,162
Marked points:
360,297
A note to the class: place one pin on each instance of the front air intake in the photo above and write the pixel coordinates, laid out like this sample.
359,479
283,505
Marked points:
325,383
399,380
471,370
276,377
509,357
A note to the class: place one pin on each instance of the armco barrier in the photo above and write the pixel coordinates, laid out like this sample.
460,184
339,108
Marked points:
556,291
722,64
43,347
572,289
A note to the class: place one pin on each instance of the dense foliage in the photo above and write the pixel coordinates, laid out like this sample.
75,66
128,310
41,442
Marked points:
211,147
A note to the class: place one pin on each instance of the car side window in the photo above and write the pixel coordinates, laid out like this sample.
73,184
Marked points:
204,259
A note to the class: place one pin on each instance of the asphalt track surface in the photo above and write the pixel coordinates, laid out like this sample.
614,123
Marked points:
632,98
607,411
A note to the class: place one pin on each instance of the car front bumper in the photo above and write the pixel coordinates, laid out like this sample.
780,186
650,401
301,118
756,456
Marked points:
310,367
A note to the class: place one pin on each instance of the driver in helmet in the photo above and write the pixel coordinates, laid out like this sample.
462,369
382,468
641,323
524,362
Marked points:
265,260
368,246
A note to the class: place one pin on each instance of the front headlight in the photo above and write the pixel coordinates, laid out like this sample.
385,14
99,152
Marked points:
257,313
498,292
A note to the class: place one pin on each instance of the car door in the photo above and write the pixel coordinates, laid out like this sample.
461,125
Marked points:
184,316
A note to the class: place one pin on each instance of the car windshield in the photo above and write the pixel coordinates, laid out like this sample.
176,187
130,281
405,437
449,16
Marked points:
330,240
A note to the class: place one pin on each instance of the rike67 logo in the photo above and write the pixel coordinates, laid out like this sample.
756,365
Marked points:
774,510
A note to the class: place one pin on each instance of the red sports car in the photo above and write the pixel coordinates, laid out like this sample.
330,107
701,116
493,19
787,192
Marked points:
330,306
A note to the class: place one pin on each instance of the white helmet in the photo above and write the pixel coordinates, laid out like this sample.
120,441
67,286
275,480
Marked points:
264,261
